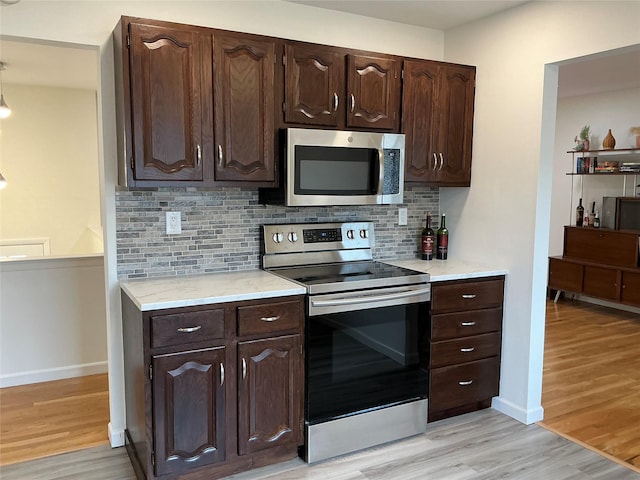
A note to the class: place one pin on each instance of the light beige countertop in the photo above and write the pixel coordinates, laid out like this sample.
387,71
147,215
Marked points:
451,269
185,291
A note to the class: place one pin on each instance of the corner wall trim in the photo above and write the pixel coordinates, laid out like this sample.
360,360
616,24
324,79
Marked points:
116,437
514,411
49,374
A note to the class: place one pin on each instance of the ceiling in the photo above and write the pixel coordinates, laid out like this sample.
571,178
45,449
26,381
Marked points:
33,63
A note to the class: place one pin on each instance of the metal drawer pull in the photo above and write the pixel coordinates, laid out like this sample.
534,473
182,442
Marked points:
221,374
335,102
270,319
189,329
353,102
220,155
470,349
464,384
198,154
468,324
468,295
435,161
441,161
244,369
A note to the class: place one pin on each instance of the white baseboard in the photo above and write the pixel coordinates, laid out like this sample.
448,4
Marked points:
49,374
116,437
514,411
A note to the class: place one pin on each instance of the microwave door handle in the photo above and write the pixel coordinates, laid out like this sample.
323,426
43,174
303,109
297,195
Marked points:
381,172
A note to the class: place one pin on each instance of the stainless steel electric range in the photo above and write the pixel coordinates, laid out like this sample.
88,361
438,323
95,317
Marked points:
366,336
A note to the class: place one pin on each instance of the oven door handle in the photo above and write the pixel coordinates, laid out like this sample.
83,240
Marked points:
369,298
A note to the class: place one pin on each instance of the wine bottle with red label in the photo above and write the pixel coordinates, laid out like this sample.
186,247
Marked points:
428,239
443,240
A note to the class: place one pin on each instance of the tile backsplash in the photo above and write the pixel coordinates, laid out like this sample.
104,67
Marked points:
221,228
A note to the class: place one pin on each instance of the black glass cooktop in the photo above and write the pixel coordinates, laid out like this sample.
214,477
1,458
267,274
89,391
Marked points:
343,276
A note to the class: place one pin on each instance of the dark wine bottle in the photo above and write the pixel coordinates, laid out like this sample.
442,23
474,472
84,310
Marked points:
428,239
579,214
443,240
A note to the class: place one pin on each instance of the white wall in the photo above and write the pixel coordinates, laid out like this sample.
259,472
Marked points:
504,217
52,318
615,110
49,156
91,23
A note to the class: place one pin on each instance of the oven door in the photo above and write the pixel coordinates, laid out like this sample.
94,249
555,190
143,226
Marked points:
366,359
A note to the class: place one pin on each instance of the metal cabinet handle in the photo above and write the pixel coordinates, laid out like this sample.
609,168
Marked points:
189,329
244,369
435,161
220,155
335,102
469,349
468,296
353,102
468,324
270,319
221,374
465,383
441,161
198,154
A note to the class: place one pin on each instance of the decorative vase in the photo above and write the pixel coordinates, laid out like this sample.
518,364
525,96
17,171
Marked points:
609,143
586,145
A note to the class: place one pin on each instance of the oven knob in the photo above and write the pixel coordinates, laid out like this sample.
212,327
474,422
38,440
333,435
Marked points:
292,237
278,237
364,233
351,234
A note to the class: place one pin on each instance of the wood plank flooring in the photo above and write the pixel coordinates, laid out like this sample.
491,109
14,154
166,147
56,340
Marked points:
49,418
591,377
483,445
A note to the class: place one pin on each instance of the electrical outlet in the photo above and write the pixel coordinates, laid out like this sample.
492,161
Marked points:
402,216
174,223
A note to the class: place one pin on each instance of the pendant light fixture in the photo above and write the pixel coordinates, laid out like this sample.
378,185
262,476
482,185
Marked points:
5,111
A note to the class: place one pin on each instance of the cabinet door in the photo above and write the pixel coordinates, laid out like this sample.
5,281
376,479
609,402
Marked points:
456,96
270,393
244,109
420,120
188,409
565,275
373,92
601,282
313,85
631,288
166,67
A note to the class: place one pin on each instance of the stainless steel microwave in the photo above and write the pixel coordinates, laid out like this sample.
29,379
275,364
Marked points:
333,167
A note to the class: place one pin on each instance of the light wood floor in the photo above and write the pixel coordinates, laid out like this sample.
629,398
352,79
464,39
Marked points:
481,445
591,378
48,418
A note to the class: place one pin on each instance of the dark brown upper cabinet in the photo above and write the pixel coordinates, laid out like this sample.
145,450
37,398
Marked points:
167,95
197,105
328,86
437,119
244,71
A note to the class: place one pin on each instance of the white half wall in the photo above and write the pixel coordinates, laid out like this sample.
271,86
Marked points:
504,217
52,318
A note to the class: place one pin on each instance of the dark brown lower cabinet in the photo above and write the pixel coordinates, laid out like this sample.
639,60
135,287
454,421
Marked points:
464,345
213,390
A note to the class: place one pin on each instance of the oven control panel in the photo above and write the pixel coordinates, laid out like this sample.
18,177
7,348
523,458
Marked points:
310,237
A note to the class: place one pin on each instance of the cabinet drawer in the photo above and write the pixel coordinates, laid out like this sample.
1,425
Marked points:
462,384
269,318
464,296
187,327
461,350
464,324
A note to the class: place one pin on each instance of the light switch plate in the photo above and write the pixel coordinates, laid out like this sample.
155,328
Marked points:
174,223
402,216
